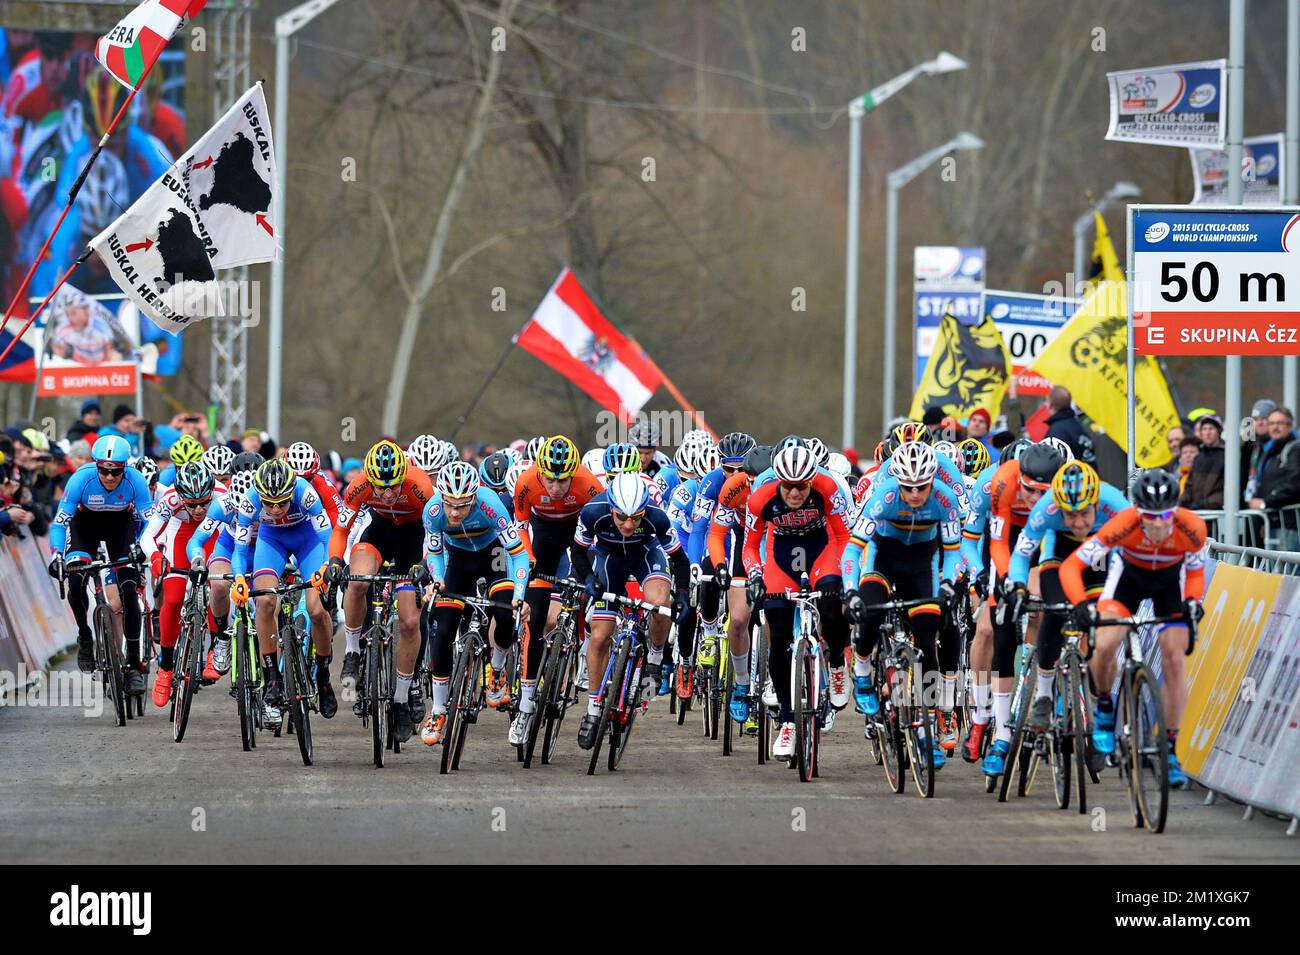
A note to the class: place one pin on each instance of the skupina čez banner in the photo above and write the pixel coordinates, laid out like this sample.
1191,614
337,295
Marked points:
1240,733
969,368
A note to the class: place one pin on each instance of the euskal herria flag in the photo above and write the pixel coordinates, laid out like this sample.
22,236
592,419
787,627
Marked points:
129,49
211,210
568,332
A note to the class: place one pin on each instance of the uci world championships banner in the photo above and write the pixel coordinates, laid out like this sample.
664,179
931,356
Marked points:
1180,105
946,278
1263,165
1028,323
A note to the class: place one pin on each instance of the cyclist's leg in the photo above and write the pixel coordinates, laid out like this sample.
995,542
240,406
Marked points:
364,560
1049,629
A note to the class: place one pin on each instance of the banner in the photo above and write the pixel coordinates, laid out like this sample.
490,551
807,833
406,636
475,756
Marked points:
1028,324
1181,105
34,623
209,211
968,369
129,49
1263,166
568,332
946,278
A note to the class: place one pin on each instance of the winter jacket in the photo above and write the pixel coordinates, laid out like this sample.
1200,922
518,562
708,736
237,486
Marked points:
1205,483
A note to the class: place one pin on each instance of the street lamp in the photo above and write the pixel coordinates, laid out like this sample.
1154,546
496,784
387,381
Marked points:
1118,192
897,180
943,63
286,26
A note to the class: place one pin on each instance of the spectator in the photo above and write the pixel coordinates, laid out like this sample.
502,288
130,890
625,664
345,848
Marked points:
1065,424
129,426
1270,489
1205,482
12,514
977,427
1187,452
89,423
78,454
1254,439
351,468
933,421
1175,438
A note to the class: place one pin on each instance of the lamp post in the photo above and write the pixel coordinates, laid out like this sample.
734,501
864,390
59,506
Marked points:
1118,192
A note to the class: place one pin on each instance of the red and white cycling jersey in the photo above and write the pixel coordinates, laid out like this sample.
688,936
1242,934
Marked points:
170,528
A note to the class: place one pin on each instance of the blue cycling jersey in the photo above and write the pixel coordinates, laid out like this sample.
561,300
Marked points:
222,513
84,491
304,506
977,515
1047,520
681,511
489,522
706,503
886,515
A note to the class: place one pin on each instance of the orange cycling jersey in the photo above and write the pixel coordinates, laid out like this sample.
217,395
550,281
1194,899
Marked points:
531,500
406,508
732,498
1185,545
1006,512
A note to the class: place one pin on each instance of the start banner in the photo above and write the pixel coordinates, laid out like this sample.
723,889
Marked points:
946,279
1028,323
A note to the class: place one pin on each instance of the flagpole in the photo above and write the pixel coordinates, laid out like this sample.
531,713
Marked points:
1131,389
483,387
678,396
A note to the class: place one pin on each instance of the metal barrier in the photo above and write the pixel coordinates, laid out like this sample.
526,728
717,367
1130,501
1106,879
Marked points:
1252,526
1282,562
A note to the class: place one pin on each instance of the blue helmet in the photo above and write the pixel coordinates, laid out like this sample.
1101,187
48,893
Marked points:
111,449
621,459
628,493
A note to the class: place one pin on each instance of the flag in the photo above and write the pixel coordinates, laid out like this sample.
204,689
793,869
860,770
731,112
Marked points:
569,333
209,211
130,49
1089,357
969,368
20,363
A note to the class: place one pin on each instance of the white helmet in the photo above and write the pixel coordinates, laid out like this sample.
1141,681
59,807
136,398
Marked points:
839,465
218,458
425,453
947,449
241,481
794,464
913,464
458,480
709,458
1060,446
512,476
303,459
687,458
534,447
628,494
593,461
450,453
818,447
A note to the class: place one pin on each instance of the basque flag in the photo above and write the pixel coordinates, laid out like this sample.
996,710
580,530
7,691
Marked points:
129,50
568,332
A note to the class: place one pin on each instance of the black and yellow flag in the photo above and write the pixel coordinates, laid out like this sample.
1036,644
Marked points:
968,369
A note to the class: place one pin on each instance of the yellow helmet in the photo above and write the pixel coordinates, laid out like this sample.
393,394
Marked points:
185,449
385,465
558,458
1076,486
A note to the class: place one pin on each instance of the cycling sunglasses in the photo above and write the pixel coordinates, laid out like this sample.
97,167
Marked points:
800,486
203,503
109,471
284,502
622,518
1155,515
915,488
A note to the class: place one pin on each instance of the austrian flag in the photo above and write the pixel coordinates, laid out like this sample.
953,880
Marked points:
129,50
568,333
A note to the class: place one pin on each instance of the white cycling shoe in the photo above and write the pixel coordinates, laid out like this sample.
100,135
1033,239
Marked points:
769,693
839,682
783,748
519,729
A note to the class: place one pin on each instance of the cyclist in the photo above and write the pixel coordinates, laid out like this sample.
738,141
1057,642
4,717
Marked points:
101,503
393,495
1156,550
220,521
218,460
175,517
1080,503
291,521
644,436
625,458
622,534
800,518
468,537
908,511
973,459
305,462
862,490
184,450
696,457
429,454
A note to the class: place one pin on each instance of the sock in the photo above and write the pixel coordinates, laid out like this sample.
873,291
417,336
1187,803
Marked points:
593,704
981,698
1105,704
527,690
654,654
740,666
948,692
861,665
323,670
441,690
498,657
1046,680
402,687
1002,707
1172,735
353,639
167,660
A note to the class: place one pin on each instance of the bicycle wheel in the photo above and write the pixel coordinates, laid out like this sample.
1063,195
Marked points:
110,661
804,700
703,691
376,673
461,663
758,680
1018,757
541,699
390,678
1077,725
564,696
188,670
631,709
609,699
886,723
1061,740
471,702
918,725
297,692
1150,748
244,687
728,678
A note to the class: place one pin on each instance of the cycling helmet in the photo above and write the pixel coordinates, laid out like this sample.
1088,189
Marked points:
687,458
535,448
910,431
621,459
698,435
788,440
758,460
1076,486
1154,490
1066,452
1013,450
512,476
1039,464
594,461
558,458
458,480
818,447
709,458
914,464
839,465
882,451
185,449
425,453
449,453
194,482
385,465
246,461
304,460
734,446
492,472
947,449
628,494
218,458
241,481
794,464
513,454
972,457
643,434
275,481
111,449
146,466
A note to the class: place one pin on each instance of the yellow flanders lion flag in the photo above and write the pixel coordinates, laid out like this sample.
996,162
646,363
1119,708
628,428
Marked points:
968,369
1089,357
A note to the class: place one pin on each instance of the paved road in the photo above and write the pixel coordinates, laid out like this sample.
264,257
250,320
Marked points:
79,789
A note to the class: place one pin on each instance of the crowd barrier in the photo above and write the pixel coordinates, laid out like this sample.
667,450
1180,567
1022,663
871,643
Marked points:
1240,734
34,623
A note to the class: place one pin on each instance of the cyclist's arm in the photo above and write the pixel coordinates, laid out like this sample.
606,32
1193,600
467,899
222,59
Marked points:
755,531
354,497
311,504
516,554
523,513
702,511
435,547
1195,534
157,522
1031,537
243,533
212,523
67,508
583,541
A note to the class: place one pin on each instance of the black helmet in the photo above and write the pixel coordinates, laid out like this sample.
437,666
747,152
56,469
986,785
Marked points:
246,461
758,460
494,469
734,446
1039,464
1154,489
1013,450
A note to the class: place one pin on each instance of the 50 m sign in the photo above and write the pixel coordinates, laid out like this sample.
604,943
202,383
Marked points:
1216,281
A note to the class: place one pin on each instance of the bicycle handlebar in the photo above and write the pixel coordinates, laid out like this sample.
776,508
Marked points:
638,604
902,604
482,602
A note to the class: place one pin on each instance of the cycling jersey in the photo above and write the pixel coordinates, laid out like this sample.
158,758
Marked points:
170,526
297,530
532,501
727,521
681,511
1046,525
596,530
131,499
220,518
887,516
1187,546
485,525
408,507
817,529
948,473
995,506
